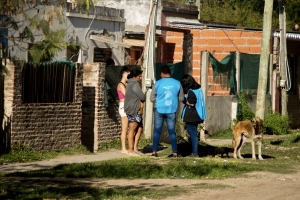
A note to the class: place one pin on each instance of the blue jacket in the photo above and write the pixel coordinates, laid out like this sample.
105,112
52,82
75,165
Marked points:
166,93
187,113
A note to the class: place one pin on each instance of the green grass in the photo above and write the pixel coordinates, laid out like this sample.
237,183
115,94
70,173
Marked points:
23,153
62,189
281,154
225,134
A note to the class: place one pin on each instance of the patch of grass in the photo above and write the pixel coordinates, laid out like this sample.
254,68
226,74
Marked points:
22,153
116,144
284,155
84,192
67,189
225,134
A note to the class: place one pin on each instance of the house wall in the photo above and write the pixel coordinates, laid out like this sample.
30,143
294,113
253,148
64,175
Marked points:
99,124
44,126
78,26
136,12
219,42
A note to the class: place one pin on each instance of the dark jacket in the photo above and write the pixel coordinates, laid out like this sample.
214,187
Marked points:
191,115
133,96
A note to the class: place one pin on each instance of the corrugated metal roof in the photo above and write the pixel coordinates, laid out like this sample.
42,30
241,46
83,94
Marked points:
192,26
294,36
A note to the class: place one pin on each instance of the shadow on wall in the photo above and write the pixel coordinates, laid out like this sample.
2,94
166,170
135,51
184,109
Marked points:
113,111
170,49
5,129
88,118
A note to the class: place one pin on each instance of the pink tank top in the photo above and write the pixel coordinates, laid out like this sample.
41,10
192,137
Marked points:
120,94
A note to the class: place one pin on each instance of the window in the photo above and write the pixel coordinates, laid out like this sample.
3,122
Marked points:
101,54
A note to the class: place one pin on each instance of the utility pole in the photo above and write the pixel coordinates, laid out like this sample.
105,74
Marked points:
282,60
149,65
198,4
264,58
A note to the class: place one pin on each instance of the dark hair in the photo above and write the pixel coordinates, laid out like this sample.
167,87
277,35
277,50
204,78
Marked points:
165,70
109,62
188,82
123,70
134,73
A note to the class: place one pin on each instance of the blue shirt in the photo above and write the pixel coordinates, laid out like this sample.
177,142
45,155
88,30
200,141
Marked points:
166,93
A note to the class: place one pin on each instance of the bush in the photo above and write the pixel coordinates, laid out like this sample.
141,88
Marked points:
244,110
275,123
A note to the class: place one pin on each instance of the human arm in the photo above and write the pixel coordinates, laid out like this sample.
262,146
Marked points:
139,93
191,98
153,94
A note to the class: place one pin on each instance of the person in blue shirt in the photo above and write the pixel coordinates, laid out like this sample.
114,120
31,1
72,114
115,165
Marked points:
194,111
165,94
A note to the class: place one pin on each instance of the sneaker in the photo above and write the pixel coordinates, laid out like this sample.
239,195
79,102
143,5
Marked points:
154,155
194,156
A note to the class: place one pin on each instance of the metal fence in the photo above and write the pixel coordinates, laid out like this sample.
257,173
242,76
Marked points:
50,82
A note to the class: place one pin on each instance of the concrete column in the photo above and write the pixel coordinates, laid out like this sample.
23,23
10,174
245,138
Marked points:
204,85
238,73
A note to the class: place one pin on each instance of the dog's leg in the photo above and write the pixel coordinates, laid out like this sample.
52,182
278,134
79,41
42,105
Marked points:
253,148
259,143
235,144
242,141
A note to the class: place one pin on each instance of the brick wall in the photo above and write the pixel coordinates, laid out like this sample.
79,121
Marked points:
100,123
219,42
45,126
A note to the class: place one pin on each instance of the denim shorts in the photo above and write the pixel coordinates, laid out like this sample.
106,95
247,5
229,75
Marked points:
138,118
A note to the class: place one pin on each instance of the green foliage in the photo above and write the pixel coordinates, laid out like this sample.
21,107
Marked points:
23,153
244,110
52,44
275,123
225,134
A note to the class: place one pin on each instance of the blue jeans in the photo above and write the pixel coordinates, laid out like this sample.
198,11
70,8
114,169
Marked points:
158,125
192,130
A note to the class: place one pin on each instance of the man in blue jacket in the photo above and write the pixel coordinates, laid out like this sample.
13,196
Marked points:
165,94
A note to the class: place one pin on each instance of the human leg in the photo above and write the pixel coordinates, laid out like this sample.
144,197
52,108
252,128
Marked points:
158,124
171,122
124,126
131,133
137,137
124,121
192,130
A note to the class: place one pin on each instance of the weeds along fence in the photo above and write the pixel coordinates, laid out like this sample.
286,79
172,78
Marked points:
49,82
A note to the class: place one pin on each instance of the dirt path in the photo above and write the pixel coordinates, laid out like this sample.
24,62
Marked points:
256,185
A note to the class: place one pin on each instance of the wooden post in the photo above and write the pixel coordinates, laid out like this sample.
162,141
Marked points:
282,57
238,73
264,58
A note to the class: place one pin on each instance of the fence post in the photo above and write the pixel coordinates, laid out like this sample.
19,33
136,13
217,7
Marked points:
238,73
204,74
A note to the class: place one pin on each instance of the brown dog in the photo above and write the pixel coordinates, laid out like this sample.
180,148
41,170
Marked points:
252,129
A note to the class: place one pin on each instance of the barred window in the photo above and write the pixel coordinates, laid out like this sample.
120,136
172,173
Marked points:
48,82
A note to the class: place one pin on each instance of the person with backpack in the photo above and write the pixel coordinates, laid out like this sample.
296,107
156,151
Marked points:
194,111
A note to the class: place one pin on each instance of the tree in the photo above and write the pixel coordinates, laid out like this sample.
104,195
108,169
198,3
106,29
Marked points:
27,24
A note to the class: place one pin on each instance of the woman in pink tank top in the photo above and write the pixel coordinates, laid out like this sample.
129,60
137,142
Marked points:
121,89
